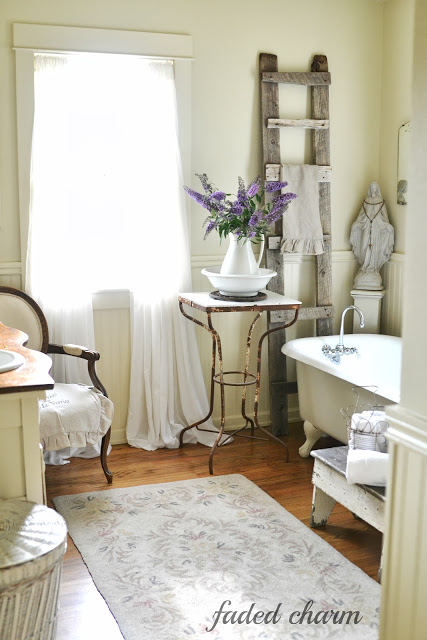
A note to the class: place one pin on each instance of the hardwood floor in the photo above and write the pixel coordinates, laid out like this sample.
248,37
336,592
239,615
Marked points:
83,614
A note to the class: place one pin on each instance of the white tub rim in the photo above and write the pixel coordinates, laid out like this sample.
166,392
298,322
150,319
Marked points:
317,360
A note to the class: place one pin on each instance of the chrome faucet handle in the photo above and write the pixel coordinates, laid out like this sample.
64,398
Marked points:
336,353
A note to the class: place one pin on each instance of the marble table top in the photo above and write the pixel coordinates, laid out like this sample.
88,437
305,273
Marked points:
273,302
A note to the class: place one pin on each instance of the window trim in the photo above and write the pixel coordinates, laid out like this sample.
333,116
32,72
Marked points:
31,38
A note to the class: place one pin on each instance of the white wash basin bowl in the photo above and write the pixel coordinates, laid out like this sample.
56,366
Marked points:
10,360
239,285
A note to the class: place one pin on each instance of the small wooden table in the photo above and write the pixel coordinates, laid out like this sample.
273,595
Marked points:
331,486
204,302
21,456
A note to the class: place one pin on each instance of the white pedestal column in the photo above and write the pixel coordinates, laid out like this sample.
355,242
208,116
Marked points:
369,302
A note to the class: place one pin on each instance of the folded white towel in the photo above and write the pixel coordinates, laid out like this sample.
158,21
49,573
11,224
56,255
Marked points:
367,467
302,229
376,419
367,431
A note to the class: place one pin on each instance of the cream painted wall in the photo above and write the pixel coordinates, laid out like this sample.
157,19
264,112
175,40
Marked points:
396,104
226,138
226,130
396,109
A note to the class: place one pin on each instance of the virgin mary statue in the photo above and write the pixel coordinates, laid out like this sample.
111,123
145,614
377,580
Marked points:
372,239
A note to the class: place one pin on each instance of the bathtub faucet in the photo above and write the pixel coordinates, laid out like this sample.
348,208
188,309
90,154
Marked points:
340,344
340,349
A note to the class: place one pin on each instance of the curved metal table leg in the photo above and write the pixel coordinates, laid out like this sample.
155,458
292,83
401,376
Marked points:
216,345
258,382
246,370
216,337
213,333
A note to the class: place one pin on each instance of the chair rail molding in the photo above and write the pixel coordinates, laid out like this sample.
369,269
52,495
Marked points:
111,309
11,274
10,268
407,428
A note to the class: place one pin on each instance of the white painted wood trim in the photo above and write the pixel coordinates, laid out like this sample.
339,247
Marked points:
28,38
351,496
321,507
393,277
399,258
33,461
50,38
10,268
290,258
200,262
24,124
217,258
118,436
407,428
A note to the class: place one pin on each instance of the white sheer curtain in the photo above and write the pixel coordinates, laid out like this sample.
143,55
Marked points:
56,274
107,212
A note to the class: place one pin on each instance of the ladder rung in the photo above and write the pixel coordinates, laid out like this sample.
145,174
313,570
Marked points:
278,123
272,173
274,242
305,313
311,78
279,387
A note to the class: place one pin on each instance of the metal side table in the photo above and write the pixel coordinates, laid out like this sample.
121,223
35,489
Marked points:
204,302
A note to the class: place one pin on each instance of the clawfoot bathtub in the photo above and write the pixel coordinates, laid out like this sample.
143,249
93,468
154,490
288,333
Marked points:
325,387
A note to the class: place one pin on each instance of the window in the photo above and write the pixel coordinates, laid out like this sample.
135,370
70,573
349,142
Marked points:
101,123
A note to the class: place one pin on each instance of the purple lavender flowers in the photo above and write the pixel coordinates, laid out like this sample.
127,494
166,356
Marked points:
245,215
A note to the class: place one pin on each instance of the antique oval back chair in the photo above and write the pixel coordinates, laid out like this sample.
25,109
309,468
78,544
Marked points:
20,311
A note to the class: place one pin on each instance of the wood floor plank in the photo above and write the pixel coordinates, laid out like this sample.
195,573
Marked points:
83,613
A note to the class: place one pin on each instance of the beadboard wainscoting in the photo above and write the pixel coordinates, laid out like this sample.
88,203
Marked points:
391,315
299,278
112,329
405,547
112,336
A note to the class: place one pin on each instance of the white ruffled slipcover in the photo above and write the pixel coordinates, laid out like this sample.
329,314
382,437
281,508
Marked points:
73,416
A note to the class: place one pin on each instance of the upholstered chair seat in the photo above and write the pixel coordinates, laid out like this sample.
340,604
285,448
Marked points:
72,415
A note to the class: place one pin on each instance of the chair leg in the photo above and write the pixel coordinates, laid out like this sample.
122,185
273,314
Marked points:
103,456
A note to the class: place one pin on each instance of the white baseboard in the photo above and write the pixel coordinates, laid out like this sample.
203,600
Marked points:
118,436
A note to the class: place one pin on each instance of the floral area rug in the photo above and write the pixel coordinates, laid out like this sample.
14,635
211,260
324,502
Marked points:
216,558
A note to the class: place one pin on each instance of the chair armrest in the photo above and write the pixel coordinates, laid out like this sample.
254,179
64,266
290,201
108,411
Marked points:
81,352
74,350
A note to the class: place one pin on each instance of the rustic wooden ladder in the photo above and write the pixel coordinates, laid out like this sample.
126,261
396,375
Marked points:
319,80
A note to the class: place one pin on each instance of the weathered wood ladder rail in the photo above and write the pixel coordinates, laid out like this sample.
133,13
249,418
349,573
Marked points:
319,80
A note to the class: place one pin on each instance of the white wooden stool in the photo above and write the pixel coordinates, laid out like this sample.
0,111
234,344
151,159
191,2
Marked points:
331,486
33,539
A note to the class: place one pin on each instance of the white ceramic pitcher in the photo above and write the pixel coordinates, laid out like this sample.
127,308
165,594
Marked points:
240,259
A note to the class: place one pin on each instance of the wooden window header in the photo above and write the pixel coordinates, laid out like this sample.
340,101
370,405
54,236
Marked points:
47,38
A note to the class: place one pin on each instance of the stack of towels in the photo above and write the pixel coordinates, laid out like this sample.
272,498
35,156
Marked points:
367,460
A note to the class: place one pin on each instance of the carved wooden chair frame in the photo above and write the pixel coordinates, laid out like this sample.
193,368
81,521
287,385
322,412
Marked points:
69,350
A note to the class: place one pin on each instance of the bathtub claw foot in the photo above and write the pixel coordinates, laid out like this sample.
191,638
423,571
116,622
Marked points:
312,434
